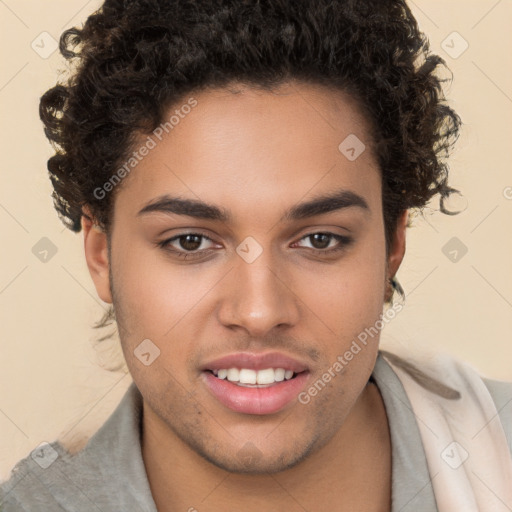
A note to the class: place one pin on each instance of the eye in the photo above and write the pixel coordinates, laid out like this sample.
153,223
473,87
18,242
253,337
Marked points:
321,243
186,244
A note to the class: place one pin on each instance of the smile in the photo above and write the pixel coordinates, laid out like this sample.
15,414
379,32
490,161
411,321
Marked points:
254,398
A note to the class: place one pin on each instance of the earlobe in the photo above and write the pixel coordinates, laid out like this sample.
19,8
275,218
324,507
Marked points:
96,255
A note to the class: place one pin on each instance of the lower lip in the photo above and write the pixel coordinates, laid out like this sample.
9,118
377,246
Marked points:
246,400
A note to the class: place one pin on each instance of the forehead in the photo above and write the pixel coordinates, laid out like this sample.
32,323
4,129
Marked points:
244,148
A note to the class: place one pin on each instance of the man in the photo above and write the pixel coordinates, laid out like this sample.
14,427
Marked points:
242,173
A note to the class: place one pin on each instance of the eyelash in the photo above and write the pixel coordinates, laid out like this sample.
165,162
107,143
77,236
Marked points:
344,242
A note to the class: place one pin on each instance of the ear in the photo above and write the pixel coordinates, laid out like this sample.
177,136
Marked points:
396,250
96,255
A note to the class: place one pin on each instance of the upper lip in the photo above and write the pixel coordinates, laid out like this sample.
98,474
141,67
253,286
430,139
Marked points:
256,362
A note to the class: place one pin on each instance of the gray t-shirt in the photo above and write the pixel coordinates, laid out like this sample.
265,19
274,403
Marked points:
109,474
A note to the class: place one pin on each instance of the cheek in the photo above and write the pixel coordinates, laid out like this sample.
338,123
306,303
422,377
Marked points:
155,296
348,297
153,301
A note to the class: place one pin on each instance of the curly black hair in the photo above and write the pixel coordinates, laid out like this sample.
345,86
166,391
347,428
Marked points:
134,59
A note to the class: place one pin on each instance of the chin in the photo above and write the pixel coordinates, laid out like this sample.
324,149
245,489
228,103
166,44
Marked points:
249,460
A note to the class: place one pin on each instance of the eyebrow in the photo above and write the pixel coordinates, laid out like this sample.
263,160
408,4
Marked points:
323,204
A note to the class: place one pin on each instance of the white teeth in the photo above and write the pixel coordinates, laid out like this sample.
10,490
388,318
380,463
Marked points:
233,375
248,376
279,374
266,376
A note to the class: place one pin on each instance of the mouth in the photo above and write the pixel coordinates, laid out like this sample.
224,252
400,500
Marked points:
255,383
246,377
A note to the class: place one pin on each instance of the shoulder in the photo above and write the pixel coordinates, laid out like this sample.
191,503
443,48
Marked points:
107,472
31,479
452,378
52,479
501,393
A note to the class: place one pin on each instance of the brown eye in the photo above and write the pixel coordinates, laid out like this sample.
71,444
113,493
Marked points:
190,242
321,243
320,240
187,245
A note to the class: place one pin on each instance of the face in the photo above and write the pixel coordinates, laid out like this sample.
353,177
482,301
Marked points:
277,260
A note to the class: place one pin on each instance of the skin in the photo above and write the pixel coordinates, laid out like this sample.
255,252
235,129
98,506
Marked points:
256,154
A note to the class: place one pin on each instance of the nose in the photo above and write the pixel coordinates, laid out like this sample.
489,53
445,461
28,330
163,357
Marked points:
259,297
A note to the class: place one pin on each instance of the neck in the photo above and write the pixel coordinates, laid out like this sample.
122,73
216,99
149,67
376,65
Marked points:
337,476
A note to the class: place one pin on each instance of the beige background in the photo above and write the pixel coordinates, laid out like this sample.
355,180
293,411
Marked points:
51,380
